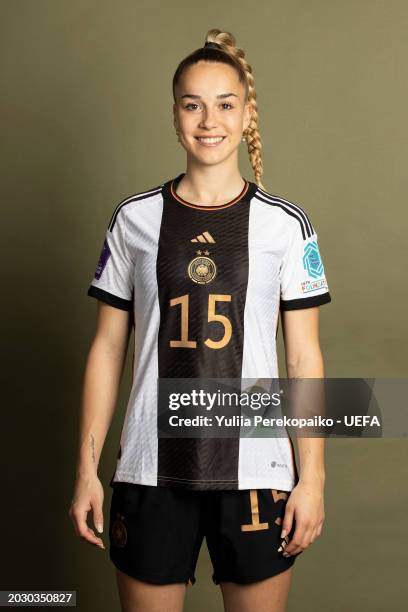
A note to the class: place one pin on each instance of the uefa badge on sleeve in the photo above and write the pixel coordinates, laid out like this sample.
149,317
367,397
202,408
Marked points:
312,261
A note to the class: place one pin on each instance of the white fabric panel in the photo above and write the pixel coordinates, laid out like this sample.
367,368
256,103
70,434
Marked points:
114,271
138,463
266,244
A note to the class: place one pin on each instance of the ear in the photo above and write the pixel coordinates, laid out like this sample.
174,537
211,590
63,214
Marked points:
247,116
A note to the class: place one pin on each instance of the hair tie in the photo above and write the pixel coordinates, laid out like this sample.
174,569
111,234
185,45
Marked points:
212,44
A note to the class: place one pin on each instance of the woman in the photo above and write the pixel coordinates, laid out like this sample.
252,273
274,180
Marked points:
200,266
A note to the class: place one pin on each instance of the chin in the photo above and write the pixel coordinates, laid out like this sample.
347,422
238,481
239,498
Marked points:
203,154
208,158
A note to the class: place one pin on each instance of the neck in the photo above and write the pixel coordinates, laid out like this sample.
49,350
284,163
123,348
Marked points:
210,185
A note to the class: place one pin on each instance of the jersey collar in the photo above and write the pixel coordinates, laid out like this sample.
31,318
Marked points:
169,191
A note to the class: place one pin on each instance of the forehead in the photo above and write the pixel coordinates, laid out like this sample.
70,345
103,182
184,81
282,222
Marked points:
209,79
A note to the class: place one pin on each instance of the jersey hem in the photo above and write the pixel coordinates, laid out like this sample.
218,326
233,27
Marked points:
247,483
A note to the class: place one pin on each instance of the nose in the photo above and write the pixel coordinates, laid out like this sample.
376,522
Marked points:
208,120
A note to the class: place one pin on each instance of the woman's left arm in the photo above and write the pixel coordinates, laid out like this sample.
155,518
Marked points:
306,501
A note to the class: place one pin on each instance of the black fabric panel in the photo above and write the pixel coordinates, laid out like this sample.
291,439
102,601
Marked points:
205,459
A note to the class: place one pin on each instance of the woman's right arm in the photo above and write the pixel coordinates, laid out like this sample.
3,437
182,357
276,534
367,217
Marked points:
102,376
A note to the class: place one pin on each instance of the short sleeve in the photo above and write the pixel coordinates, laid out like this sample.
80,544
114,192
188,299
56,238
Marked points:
302,274
113,281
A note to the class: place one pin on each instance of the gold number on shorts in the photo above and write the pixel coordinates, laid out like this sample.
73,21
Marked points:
276,497
255,525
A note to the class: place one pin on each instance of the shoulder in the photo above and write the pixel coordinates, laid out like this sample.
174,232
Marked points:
294,216
131,203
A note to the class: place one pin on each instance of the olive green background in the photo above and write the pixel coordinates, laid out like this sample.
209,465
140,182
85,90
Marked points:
86,112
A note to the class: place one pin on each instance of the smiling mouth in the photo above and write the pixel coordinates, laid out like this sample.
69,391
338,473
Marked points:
210,141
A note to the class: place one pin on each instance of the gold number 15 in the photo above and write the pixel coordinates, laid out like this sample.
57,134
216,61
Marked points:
184,342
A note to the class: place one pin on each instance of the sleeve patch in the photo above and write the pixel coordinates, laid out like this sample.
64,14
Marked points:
103,259
308,286
312,262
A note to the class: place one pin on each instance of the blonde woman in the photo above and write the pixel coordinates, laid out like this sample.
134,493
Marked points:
201,266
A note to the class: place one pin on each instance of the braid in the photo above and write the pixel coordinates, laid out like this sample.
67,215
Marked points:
252,135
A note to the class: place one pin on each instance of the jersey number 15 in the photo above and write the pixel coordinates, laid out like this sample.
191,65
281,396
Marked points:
184,342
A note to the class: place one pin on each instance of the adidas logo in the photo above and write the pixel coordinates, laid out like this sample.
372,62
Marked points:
204,237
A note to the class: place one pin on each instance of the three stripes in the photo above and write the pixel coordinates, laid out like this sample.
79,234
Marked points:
291,209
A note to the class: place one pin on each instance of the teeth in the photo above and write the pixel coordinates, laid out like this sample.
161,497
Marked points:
211,140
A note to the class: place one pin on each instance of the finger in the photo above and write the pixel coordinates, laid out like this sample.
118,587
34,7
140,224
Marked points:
299,545
93,539
79,518
283,544
98,517
73,513
298,538
314,535
82,529
89,535
287,521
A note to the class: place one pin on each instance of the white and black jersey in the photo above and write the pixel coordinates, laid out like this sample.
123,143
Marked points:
176,266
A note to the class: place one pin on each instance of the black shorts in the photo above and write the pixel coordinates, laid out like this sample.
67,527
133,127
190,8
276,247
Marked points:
155,533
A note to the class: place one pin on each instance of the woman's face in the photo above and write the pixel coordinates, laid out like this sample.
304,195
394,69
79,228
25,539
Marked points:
210,101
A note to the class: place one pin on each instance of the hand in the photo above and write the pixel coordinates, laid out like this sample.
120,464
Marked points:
88,495
306,505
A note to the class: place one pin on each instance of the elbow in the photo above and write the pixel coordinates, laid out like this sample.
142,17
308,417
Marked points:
306,364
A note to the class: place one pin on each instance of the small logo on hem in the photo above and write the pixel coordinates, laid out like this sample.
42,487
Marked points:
278,465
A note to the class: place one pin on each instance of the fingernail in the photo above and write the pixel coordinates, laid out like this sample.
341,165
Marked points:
280,548
283,533
100,527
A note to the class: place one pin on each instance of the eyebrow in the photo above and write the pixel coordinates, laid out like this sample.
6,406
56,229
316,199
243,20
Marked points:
224,95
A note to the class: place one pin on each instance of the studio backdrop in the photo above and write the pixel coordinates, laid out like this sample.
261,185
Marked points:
86,109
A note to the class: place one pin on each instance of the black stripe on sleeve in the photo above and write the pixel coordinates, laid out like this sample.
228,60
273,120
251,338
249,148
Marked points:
308,302
110,298
294,211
